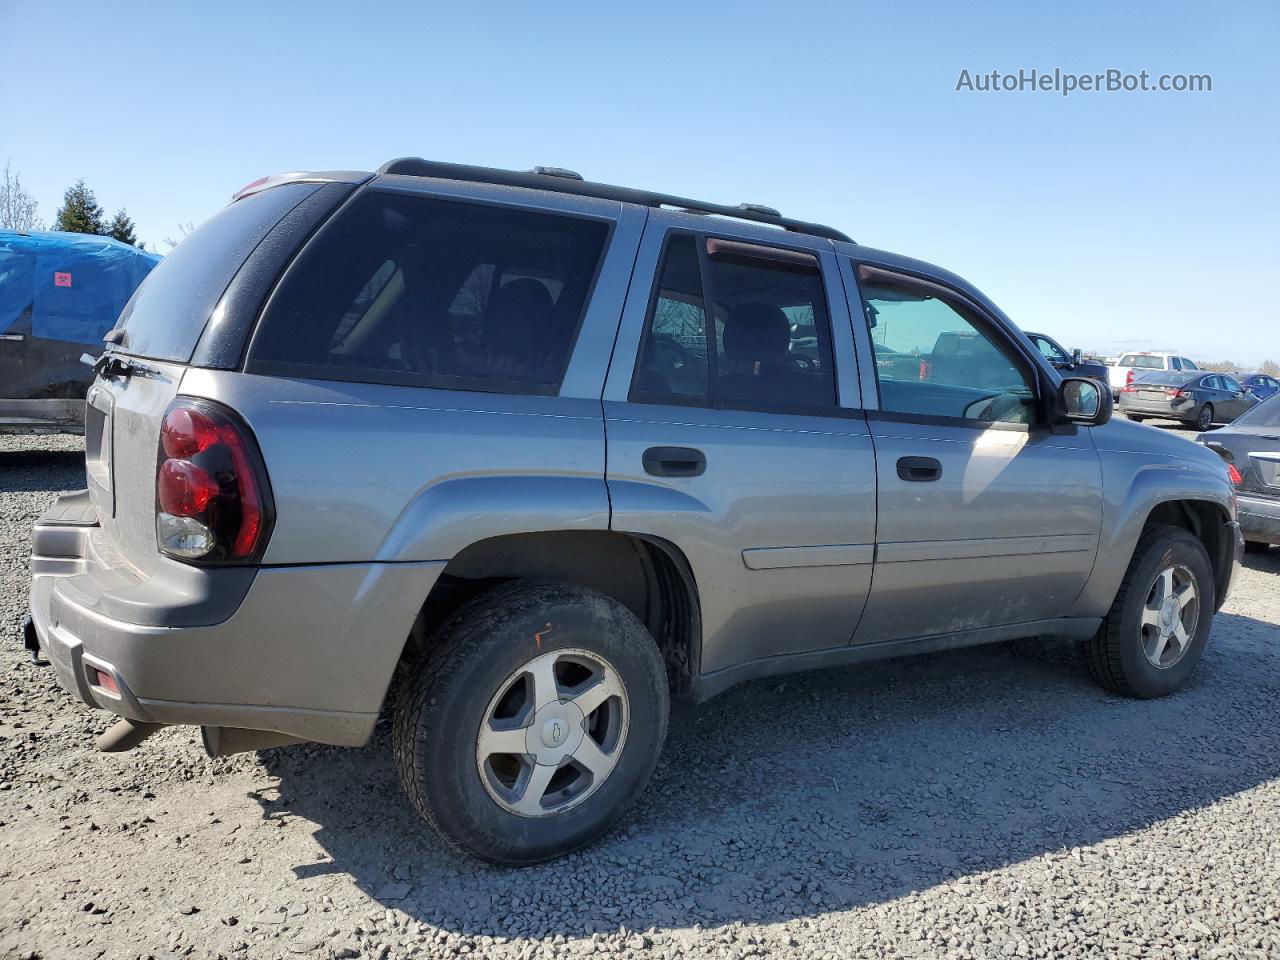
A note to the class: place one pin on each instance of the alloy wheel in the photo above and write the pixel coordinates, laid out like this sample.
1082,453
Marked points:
1170,616
552,733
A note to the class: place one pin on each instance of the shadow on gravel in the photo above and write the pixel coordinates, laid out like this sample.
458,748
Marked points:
40,470
789,799
1268,561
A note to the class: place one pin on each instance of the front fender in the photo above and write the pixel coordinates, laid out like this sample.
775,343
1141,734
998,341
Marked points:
1134,484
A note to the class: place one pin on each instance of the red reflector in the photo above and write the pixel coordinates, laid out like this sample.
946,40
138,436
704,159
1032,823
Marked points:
184,489
186,432
1234,474
103,680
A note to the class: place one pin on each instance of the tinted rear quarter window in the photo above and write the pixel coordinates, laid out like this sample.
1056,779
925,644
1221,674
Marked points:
167,313
441,293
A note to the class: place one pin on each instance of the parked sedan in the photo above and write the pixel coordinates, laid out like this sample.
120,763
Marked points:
1260,385
1192,396
1251,447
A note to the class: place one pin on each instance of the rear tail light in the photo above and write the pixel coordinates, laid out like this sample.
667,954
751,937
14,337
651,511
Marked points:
1234,474
925,369
1128,378
1178,393
213,504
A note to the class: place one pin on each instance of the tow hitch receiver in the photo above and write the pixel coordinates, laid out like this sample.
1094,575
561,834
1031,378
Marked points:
32,642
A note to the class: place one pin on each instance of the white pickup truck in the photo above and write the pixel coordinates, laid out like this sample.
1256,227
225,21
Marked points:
1133,365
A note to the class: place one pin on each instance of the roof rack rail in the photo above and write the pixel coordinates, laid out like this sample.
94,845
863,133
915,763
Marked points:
560,180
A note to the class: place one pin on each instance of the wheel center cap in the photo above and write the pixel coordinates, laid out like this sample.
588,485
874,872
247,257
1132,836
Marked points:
1169,614
556,732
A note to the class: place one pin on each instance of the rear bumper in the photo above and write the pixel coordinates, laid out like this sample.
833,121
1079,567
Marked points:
1259,518
306,651
1181,410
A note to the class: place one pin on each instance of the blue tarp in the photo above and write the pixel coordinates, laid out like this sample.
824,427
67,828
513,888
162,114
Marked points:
67,286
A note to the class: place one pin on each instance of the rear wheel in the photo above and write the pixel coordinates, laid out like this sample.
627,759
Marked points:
1156,630
1204,419
532,722
1135,418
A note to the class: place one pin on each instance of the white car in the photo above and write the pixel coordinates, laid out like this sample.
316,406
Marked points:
1134,365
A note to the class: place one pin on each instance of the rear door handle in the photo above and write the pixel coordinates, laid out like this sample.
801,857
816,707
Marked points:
919,469
674,462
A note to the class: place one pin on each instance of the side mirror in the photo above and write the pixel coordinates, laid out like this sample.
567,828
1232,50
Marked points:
1084,400
1076,357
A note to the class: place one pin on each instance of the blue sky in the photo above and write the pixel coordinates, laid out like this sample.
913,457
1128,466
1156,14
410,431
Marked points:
1111,220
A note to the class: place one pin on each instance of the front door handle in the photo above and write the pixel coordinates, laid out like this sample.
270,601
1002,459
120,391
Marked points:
919,469
674,462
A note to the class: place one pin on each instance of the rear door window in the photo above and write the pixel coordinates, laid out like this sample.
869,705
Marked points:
764,344
167,314
427,292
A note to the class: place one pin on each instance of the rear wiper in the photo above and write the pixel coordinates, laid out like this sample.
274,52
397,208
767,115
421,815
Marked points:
111,365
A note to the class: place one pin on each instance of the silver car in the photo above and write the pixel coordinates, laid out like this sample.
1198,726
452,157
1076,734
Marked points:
547,452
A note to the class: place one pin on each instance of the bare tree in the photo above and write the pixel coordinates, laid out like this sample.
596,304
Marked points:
1219,366
1270,368
18,209
184,230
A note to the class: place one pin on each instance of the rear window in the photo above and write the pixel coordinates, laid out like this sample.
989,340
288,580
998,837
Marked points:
1143,361
1265,414
1173,379
427,292
167,313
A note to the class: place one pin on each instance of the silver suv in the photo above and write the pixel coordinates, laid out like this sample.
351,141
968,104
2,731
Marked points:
548,452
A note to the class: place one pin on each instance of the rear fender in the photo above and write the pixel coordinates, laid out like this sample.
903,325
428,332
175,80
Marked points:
447,517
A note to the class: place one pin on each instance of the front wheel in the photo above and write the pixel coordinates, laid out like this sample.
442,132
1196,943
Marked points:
1158,625
1204,419
532,721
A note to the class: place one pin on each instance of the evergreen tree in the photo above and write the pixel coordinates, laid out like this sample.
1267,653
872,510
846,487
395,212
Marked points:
80,212
122,228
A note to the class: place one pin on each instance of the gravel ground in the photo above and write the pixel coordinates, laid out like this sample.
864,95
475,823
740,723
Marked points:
983,803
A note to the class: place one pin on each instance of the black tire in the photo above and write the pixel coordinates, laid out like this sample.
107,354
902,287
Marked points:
1204,419
1135,418
450,691
1115,654
1256,546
